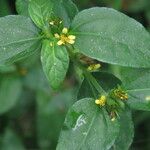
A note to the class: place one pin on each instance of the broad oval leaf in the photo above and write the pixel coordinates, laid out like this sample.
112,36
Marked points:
22,7
10,90
137,83
40,12
112,37
55,61
126,132
18,38
87,127
106,80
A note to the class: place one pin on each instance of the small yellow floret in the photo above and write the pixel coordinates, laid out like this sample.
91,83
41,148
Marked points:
72,37
65,31
60,42
121,94
93,67
52,23
97,101
113,119
101,101
56,35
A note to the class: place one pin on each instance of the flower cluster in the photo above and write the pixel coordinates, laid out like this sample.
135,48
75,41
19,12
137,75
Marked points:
93,67
65,38
121,94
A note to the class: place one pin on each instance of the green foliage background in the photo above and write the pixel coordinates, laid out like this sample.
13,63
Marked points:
35,113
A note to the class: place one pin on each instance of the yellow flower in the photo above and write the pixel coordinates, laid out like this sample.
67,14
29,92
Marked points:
64,30
101,101
93,67
121,94
64,37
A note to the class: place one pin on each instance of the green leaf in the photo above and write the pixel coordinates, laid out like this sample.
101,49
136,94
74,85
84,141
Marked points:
112,37
126,132
40,12
137,84
87,127
65,9
22,7
106,80
55,61
11,141
18,39
10,90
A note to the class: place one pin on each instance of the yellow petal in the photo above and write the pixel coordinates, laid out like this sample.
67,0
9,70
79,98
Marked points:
102,103
57,35
65,31
97,66
97,101
89,68
72,37
60,42
71,41
103,97
51,23
113,119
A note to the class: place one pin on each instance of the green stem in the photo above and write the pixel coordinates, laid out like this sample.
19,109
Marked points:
93,89
92,81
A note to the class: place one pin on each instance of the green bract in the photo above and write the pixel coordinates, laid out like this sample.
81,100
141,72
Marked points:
112,37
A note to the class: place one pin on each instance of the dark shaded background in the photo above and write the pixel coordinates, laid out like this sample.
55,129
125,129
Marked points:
29,126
